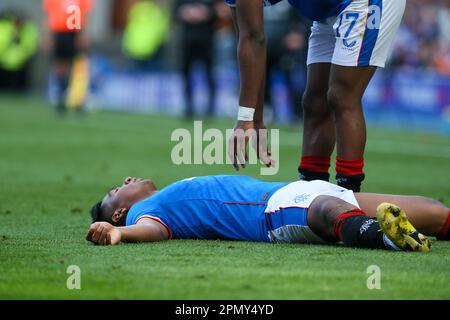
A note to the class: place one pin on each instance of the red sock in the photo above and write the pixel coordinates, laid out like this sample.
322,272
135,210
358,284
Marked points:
348,167
342,217
315,164
443,234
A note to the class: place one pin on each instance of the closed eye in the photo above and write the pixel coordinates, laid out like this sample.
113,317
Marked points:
113,191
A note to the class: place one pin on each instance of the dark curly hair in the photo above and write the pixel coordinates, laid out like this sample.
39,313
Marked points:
96,212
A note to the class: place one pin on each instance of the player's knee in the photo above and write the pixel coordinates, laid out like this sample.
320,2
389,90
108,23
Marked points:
254,35
323,213
319,219
434,207
435,213
324,208
315,105
341,102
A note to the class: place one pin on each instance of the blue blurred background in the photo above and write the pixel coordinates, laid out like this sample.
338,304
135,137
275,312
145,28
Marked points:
152,57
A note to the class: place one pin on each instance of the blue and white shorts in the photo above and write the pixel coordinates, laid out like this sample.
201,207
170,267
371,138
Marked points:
287,210
361,35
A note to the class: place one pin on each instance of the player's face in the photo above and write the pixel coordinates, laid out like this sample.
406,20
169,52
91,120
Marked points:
130,192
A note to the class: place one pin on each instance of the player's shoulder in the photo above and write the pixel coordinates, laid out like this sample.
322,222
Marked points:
148,206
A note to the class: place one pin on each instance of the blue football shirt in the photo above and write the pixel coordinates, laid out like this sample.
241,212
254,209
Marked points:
211,207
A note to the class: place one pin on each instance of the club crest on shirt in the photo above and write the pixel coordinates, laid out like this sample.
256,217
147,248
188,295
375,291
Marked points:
301,198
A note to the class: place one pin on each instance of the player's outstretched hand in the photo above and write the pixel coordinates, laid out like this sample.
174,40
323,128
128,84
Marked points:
238,142
103,233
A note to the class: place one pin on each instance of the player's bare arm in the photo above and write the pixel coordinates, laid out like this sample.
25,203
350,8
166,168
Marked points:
145,230
249,25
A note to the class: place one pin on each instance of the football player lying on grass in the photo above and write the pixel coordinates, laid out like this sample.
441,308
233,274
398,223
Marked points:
242,208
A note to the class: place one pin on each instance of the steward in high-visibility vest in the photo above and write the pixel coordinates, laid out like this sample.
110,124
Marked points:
146,30
18,42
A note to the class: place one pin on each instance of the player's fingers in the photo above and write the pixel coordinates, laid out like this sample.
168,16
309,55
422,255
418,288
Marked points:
91,232
105,239
232,152
102,237
96,235
267,157
237,157
236,162
240,160
108,239
269,161
240,155
256,141
245,152
272,163
263,155
266,160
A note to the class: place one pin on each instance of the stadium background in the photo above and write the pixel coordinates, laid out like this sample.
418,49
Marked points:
53,169
415,84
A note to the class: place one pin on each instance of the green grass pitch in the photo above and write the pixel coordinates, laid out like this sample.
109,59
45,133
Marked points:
53,170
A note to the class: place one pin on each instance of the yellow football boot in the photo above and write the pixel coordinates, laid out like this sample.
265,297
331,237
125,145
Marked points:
395,225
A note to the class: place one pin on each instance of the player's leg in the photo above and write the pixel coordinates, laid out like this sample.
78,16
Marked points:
364,31
347,87
62,68
429,216
324,211
334,219
63,55
318,124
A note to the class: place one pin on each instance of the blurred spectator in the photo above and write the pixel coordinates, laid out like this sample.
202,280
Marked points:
423,41
287,41
146,31
197,19
65,38
225,37
18,43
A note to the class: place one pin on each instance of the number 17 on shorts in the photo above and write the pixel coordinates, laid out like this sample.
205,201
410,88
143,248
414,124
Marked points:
361,35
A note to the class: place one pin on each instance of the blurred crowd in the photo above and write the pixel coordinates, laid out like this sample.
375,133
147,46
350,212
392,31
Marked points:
203,32
18,44
423,41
